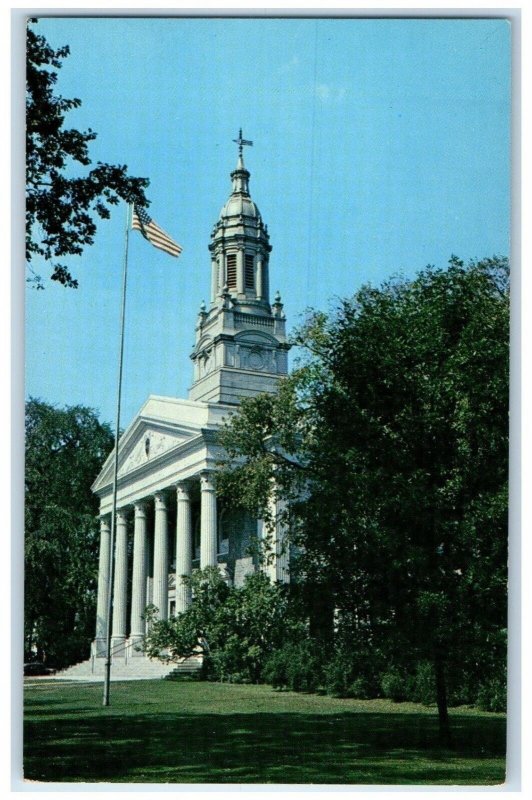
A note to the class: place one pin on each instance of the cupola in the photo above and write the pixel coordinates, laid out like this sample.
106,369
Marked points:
241,348
240,245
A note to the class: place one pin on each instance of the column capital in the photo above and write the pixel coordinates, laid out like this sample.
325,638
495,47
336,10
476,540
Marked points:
183,490
207,481
160,500
121,514
105,521
140,507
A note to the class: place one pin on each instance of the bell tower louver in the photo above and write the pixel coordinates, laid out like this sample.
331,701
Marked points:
241,347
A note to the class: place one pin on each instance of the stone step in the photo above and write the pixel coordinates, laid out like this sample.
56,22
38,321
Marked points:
134,668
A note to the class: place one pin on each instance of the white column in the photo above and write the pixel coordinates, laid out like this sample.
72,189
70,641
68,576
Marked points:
208,532
103,585
183,548
140,562
160,557
278,568
120,581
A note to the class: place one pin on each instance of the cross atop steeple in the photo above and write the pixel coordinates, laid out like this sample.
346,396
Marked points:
241,142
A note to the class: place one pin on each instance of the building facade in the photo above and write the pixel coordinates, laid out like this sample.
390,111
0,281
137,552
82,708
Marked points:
169,519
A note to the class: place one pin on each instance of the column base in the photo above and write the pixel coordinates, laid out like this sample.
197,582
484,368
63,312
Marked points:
135,645
99,647
118,646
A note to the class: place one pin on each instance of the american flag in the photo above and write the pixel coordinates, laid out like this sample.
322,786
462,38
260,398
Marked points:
151,231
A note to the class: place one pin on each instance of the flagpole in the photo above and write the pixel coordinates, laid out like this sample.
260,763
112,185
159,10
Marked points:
107,675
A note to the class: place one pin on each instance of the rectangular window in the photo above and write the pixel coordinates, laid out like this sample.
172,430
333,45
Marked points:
250,272
231,271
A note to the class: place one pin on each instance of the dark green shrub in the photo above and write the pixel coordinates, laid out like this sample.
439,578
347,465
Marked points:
339,676
423,687
462,690
239,677
208,671
347,674
394,686
294,666
276,668
304,669
492,695
361,689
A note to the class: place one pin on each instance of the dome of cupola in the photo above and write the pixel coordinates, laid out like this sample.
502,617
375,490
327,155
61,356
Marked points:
240,203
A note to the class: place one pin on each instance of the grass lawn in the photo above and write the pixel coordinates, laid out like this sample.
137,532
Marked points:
188,732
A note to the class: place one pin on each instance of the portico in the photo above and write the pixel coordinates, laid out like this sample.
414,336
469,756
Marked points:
156,538
137,547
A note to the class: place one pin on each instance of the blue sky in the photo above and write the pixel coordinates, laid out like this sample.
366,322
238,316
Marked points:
379,146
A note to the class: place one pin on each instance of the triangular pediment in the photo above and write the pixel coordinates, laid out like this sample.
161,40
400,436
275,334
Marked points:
148,440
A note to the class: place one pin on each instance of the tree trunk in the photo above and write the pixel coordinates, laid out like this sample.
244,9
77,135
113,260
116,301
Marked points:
441,699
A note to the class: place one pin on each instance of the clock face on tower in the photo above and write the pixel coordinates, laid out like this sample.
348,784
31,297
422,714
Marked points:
256,359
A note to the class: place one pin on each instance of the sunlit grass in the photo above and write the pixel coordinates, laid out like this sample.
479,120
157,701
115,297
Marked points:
160,732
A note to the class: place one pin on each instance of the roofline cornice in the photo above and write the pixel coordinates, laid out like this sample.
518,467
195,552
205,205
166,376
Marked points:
206,436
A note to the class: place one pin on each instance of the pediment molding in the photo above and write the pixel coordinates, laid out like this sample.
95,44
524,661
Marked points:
146,443
256,337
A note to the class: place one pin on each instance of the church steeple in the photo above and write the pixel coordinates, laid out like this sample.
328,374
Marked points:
241,335
240,246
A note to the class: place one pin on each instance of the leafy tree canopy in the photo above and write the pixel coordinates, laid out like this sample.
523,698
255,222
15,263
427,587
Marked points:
62,199
234,628
65,449
398,416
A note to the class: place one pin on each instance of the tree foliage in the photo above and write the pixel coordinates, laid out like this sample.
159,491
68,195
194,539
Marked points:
65,449
234,628
62,199
399,419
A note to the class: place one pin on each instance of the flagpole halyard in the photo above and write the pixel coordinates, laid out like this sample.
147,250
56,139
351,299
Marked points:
107,674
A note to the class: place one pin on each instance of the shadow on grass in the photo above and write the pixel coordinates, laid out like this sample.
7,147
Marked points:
351,747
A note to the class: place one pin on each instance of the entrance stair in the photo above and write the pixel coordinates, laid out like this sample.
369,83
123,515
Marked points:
129,666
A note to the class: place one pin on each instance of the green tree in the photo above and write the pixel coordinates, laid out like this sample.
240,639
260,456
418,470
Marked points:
61,200
235,629
65,449
399,418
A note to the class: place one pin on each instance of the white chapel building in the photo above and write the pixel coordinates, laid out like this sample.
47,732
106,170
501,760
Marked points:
169,520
